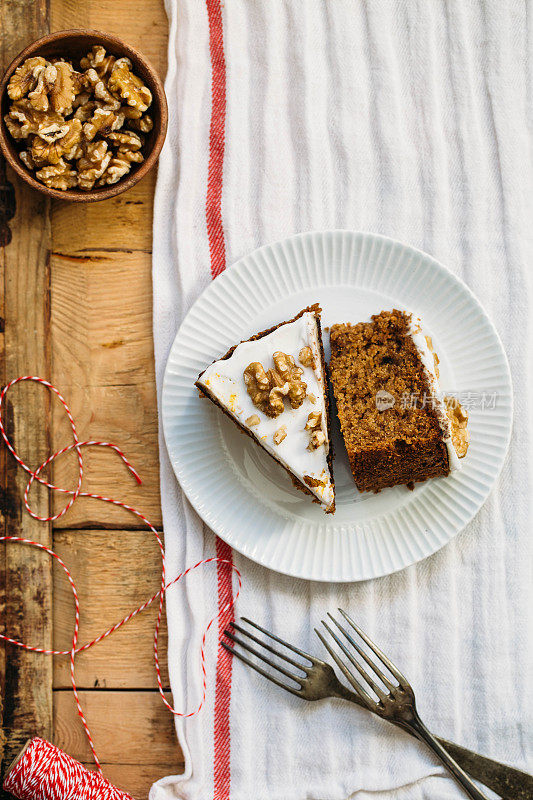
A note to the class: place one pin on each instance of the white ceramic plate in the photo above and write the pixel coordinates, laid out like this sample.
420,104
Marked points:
245,497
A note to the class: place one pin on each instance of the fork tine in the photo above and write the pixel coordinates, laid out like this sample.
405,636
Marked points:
360,669
262,657
259,669
268,647
280,641
363,694
381,675
386,661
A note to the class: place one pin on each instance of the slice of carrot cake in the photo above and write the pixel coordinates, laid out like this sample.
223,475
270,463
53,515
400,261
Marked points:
273,386
397,427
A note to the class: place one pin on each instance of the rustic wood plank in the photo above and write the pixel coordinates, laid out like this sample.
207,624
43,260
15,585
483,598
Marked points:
3,521
123,222
103,363
128,727
26,679
117,388
105,566
120,223
110,414
137,778
102,319
142,24
27,572
110,385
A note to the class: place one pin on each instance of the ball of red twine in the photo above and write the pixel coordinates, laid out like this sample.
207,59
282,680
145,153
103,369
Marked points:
43,772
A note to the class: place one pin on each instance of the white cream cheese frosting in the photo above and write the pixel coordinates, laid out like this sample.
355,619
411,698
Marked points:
428,360
224,381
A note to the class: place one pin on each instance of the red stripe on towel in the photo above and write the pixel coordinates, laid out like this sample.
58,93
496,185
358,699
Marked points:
213,206
217,252
222,772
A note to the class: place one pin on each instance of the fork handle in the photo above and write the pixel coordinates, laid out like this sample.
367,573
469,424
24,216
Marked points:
420,730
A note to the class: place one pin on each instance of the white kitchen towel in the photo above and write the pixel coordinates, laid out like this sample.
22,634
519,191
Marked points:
410,119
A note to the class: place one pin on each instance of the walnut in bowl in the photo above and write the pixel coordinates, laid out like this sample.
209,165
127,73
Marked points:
84,115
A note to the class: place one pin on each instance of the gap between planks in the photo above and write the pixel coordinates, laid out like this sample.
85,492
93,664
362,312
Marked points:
93,254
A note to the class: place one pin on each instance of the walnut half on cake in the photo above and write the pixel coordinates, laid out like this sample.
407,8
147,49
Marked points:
273,386
396,426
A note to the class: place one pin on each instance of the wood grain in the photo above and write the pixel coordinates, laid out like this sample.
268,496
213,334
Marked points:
106,568
103,363
142,24
26,572
143,735
102,319
26,679
103,358
130,227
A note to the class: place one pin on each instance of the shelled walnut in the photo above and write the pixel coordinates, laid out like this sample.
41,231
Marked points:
25,77
79,127
97,85
269,389
280,434
93,163
143,124
314,426
128,86
62,86
58,176
56,142
305,357
98,60
24,120
289,372
104,121
119,166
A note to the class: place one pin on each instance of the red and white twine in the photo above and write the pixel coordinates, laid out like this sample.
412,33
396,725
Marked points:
40,751
44,772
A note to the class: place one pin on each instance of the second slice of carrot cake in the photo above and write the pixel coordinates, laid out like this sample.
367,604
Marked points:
396,426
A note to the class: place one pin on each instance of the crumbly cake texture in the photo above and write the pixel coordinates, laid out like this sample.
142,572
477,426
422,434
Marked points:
205,391
392,442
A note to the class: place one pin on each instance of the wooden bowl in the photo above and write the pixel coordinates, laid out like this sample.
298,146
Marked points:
73,45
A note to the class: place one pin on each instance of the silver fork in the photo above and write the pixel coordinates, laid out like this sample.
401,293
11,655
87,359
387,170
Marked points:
394,701
317,680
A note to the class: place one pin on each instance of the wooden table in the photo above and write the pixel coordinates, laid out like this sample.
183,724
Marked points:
75,299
